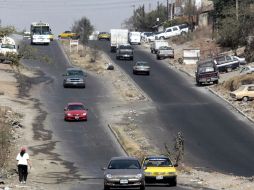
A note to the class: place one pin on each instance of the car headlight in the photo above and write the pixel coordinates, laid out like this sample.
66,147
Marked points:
69,114
148,173
84,114
109,176
139,176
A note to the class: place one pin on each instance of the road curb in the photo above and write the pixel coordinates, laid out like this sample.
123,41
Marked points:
146,97
118,139
64,53
218,95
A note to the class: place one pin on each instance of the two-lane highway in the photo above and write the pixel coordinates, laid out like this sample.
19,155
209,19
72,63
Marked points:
215,137
84,147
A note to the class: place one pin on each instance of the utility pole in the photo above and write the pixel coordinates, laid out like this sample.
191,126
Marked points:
167,10
134,16
237,9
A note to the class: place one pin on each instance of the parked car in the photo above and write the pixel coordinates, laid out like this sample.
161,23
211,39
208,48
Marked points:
151,37
226,63
104,36
247,70
124,51
124,172
170,32
68,34
160,169
165,52
244,92
145,34
154,47
241,60
184,28
207,72
74,77
75,112
141,67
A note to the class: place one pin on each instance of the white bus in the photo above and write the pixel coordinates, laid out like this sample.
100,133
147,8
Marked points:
40,33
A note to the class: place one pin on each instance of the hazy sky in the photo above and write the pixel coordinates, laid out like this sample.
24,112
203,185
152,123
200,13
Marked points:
60,14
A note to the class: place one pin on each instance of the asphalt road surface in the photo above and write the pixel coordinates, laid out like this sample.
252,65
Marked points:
85,147
215,138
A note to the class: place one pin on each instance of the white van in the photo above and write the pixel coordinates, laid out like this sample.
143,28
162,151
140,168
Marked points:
135,38
7,45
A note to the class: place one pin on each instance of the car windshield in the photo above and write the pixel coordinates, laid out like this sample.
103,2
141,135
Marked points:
157,162
75,107
124,164
9,46
164,48
125,47
75,72
206,69
141,64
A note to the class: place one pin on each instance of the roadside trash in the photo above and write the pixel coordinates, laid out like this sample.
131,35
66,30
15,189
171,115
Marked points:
109,66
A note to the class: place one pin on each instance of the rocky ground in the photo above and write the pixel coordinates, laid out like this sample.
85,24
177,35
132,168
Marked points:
128,133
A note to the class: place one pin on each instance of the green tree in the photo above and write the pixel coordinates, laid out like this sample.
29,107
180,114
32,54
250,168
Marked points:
6,31
84,28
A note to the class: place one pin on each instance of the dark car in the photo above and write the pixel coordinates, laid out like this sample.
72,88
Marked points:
226,63
124,51
207,72
74,77
75,111
124,172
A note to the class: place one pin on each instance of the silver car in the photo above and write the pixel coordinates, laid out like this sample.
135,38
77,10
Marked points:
141,67
74,77
124,172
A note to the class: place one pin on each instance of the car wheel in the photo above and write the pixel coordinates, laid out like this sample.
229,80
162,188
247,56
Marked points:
142,187
134,72
106,187
64,86
245,98
173,182
199,83
216,82
148,73
158,58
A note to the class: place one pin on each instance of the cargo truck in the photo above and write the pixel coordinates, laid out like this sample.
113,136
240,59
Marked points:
118,37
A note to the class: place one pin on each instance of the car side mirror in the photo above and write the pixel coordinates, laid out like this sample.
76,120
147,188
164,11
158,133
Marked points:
144,167
65,109
103,168
86,109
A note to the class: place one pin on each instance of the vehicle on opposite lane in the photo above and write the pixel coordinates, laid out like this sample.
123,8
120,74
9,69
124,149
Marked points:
68,34
159,169
124,172
141,67
74,77
104,36
75,111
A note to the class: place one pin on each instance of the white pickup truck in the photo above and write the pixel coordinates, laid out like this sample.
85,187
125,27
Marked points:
173,31
7,45
157,44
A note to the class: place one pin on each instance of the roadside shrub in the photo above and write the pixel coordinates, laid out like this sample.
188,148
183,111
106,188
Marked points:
5,136
235,82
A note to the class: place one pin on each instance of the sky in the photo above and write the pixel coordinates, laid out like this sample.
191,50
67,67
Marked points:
61,14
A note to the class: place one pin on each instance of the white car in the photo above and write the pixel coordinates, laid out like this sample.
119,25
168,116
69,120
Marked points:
241,60
247,70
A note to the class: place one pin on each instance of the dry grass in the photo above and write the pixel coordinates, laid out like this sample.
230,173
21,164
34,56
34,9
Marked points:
235,82
5,136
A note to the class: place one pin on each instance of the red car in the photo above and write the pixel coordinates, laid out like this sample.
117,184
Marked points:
75,112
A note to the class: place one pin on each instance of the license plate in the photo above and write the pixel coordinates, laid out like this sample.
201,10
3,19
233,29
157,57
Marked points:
159,177
123,181
76,117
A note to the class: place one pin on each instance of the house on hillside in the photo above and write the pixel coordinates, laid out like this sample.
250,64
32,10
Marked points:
204,17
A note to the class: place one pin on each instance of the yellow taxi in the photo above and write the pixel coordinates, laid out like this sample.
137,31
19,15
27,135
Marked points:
104,36
159,169
68,34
